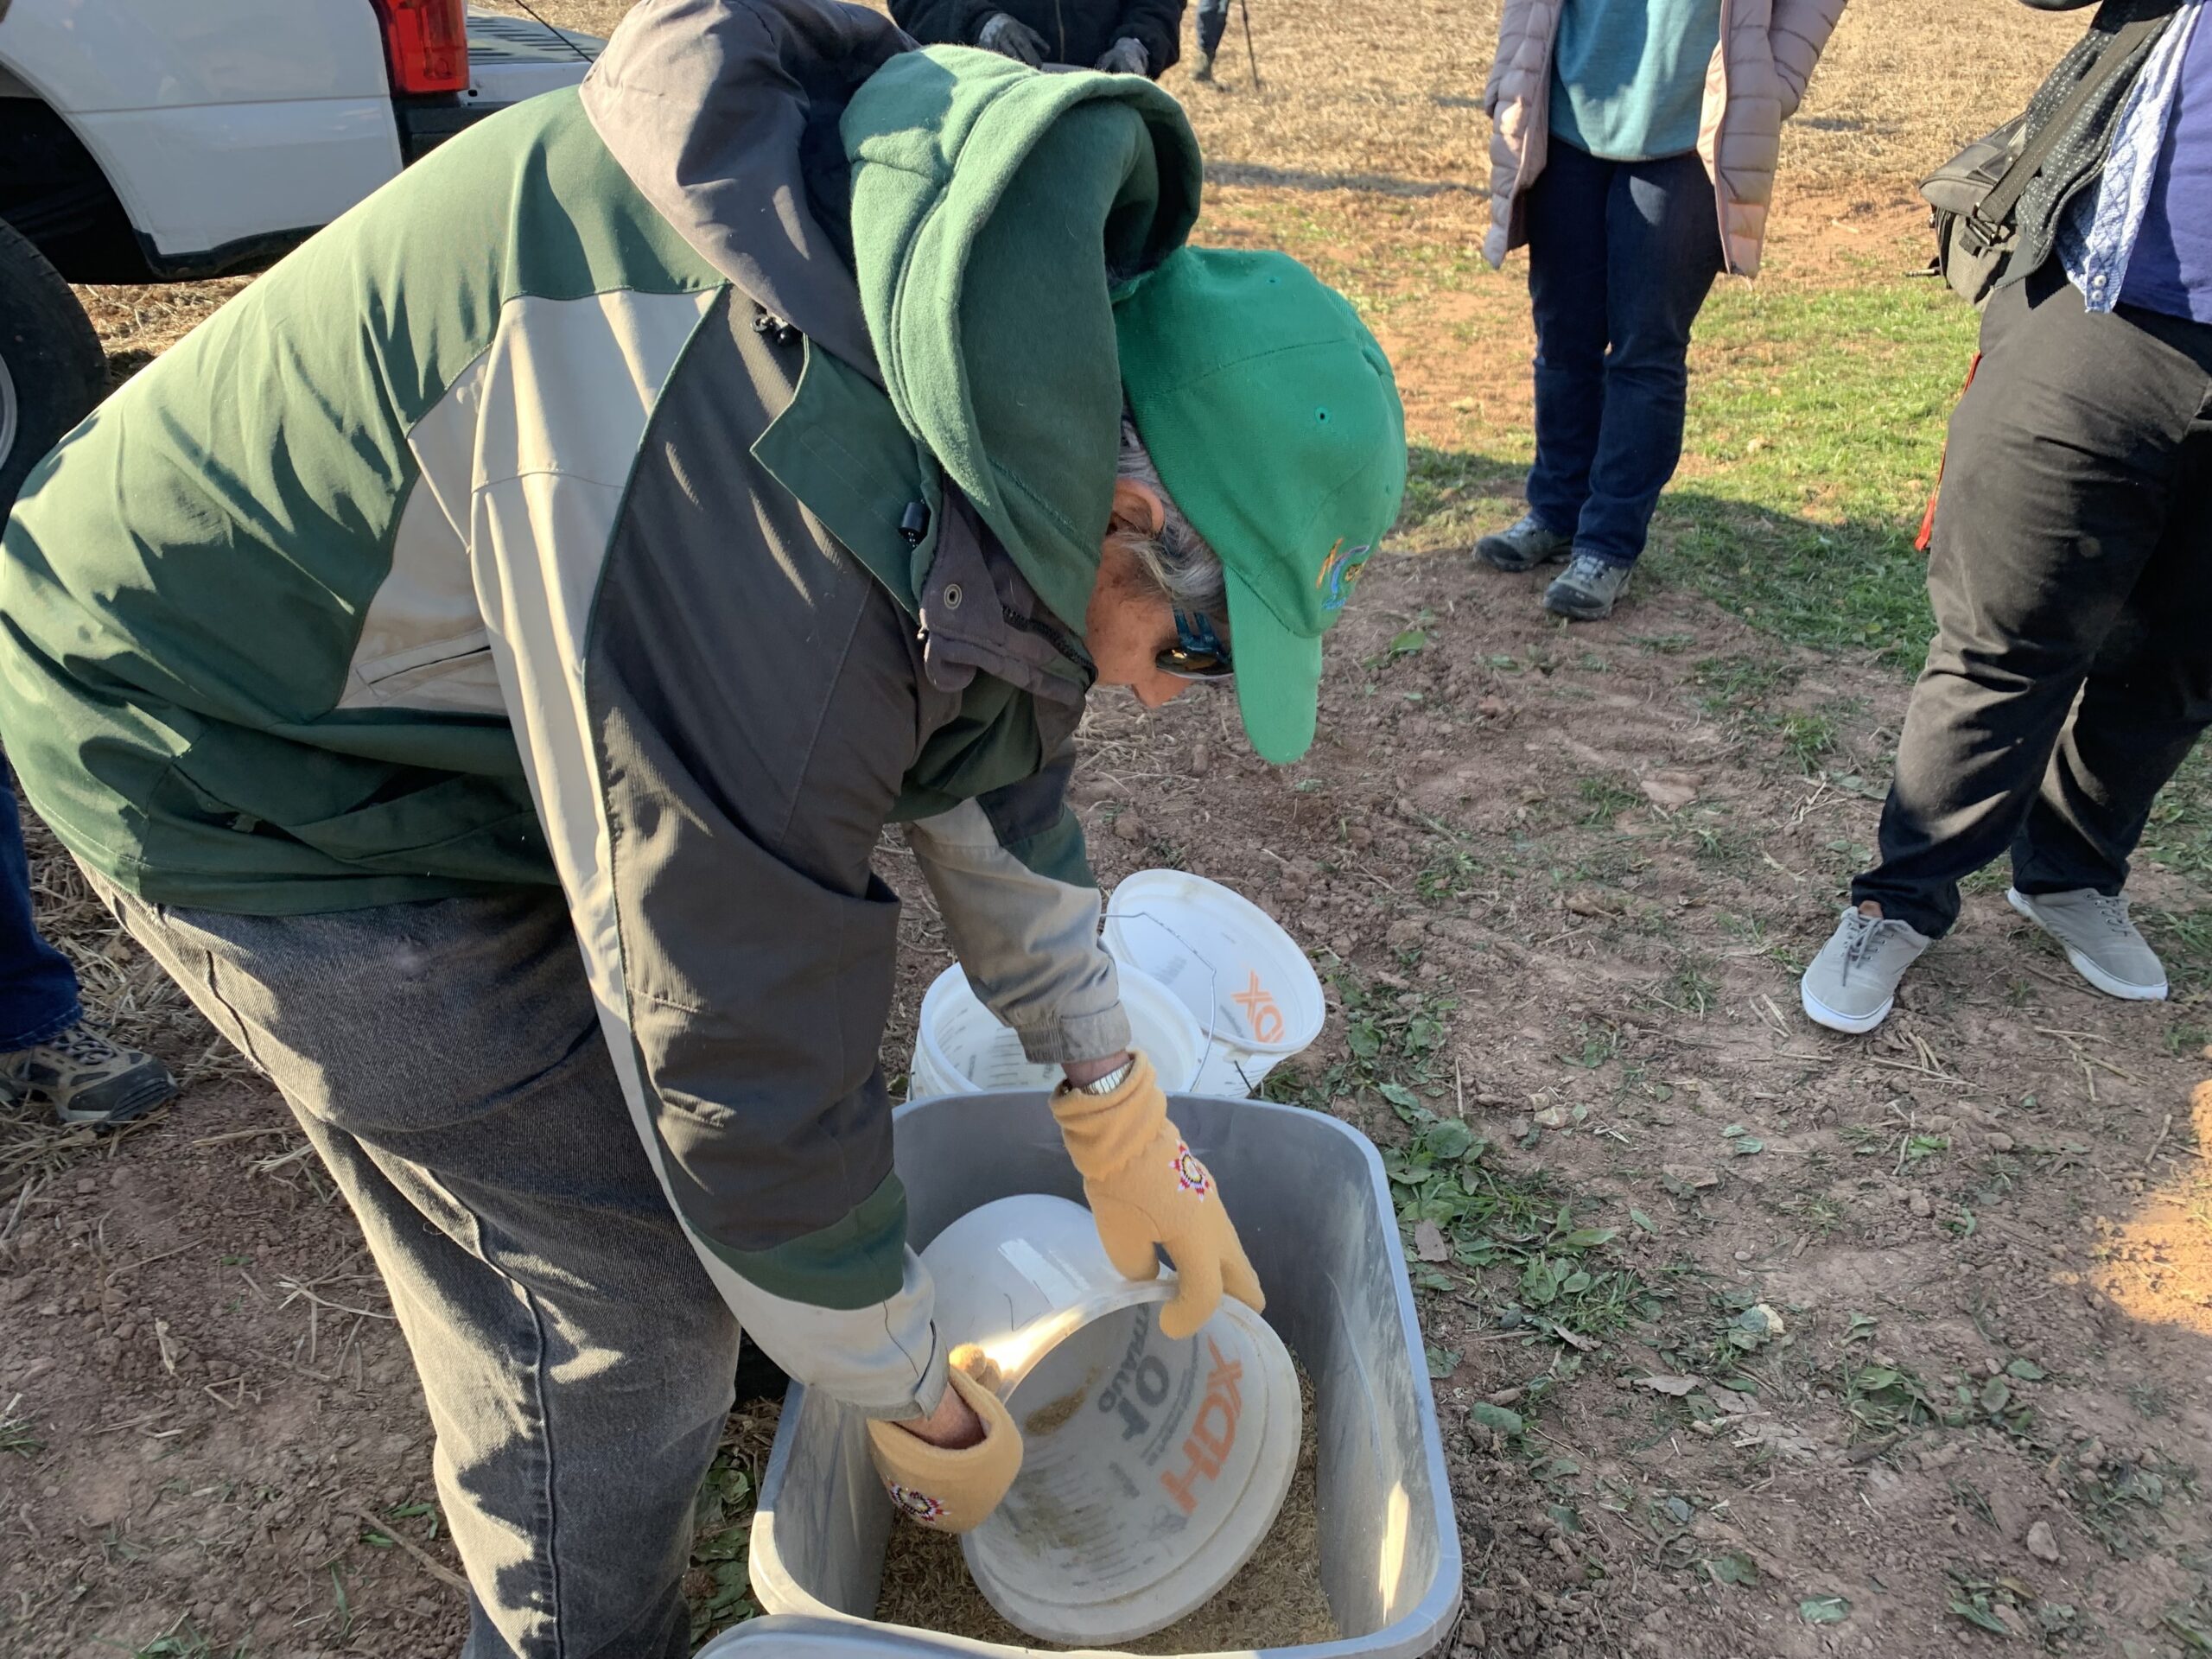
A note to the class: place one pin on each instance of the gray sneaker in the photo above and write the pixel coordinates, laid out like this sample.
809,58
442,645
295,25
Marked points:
1525,543
86,1078
1585,590
1853,984
2099,940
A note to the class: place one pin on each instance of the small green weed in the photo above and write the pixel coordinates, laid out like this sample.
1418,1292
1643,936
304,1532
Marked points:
1806,738
1604,799
722,1523
2120,1502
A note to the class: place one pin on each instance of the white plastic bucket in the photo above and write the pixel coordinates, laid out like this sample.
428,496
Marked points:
1242,978
960,1047
1151,1468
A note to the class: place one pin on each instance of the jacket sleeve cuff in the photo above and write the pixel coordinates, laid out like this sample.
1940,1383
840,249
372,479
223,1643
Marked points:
1076,1037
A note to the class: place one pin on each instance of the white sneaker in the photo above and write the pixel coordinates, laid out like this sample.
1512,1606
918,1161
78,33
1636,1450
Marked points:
2100,941
1853,984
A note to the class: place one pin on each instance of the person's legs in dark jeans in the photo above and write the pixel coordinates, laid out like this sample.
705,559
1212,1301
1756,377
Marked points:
38,988
2064,476
1621,256
1662,252
446,1061
1568,269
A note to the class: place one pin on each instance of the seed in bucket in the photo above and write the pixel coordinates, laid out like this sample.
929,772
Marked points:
1275,1601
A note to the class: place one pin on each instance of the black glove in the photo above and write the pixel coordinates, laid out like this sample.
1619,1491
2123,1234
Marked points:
1126,56
1011,38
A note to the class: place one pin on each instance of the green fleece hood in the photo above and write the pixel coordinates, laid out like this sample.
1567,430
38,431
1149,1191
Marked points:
990,203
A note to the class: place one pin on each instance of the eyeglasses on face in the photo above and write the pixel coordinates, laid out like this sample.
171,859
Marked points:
1198,653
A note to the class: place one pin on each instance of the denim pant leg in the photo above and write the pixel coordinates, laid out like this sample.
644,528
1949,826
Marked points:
1567,275
446,1063
1662,252
38,988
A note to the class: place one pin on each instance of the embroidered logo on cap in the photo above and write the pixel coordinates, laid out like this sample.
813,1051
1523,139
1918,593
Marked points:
1340,574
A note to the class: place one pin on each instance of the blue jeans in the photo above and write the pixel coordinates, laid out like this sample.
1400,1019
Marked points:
38,988
1621,256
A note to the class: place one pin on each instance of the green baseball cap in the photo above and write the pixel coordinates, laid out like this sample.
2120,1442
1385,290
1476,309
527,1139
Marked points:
1272,416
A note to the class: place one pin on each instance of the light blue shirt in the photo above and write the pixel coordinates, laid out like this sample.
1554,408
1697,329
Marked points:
2098,236
1628,76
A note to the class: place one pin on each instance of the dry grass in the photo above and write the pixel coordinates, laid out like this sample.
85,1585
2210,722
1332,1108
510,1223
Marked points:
1388,96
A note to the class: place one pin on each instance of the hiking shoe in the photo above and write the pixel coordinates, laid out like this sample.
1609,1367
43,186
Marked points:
1204,71
1524,545
2100,941
1585,590
86,1078
1853,984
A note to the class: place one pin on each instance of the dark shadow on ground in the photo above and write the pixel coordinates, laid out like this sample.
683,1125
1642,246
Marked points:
1381,184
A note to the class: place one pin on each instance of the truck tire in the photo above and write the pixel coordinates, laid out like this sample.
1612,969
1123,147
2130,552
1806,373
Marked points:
51,369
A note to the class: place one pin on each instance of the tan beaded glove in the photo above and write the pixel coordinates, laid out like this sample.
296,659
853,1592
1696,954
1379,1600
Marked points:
1146,1189
948,1490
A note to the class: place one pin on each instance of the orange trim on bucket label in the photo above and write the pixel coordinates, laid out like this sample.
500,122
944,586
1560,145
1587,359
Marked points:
1206,1447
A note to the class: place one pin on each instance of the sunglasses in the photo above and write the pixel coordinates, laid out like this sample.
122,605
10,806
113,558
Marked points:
1197,653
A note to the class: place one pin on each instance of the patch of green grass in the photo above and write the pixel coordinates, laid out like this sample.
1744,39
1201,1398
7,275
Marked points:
1690,990
2183,942
2122,1503
1740,682
1394,1039
1592,1044
1604,799
182,1643
1806,738
2179,835
17,1434
1450,874
1806,472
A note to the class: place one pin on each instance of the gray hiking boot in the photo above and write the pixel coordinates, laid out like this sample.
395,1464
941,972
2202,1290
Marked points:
86,1078
2099,940
1524,545
1204,71
1585,590
1853,984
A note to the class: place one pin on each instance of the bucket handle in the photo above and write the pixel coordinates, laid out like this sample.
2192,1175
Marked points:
1213,981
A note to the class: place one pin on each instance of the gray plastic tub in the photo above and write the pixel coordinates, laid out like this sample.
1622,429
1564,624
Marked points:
1313,1208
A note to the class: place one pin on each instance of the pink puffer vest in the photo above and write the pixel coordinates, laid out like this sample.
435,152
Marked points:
1766,54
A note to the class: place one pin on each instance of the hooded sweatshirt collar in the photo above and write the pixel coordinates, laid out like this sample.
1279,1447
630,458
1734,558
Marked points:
724,114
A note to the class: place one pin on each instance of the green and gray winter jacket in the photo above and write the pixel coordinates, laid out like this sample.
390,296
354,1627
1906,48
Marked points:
547,517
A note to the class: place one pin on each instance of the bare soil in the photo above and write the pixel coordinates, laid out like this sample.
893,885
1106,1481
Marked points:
1910,1352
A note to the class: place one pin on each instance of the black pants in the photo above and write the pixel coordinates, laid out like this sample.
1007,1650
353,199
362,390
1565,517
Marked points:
2072,560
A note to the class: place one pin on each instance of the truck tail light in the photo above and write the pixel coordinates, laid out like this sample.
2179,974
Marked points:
425,44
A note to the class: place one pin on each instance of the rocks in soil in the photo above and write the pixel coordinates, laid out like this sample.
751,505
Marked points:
2042,1544
1670,789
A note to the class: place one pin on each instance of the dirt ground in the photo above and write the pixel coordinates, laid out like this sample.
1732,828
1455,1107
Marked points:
1750,1340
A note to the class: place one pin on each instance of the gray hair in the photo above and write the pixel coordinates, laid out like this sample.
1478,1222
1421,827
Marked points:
1177,560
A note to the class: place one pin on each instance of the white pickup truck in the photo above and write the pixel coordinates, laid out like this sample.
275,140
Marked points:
160,140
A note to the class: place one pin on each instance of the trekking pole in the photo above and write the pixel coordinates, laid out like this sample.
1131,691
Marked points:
1245,9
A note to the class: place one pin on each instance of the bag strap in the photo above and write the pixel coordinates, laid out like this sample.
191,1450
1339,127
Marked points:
1997,206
